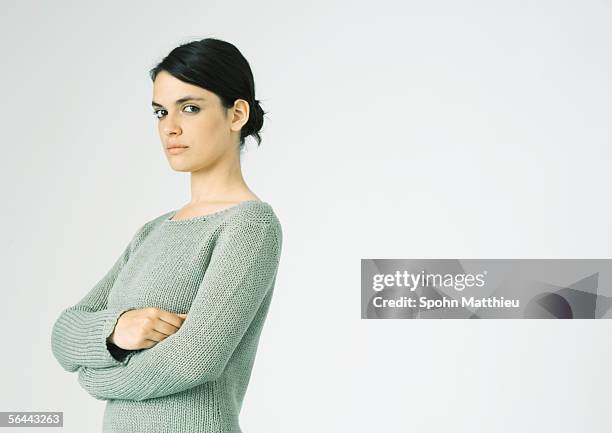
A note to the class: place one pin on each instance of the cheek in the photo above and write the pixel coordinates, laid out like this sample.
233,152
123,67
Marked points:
209,125
210,133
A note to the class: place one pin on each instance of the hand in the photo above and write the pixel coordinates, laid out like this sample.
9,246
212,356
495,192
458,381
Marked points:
143,328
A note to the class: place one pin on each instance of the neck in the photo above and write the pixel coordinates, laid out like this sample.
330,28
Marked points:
221,182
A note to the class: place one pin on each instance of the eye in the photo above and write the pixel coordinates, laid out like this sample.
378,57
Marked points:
157,115
197,108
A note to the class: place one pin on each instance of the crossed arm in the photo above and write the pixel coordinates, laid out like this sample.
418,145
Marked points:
241,272
78,337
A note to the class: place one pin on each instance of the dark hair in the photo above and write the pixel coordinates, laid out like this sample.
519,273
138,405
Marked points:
219,67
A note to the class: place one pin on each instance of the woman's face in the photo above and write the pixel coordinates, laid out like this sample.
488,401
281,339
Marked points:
191,116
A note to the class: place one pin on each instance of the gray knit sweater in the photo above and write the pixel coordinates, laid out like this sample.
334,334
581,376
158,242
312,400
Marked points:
220,269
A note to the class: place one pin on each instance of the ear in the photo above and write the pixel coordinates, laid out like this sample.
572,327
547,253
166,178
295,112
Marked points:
240,114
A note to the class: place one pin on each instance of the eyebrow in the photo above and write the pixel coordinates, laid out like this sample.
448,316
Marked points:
180,100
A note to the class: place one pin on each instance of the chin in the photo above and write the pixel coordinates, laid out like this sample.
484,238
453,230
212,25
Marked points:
181,167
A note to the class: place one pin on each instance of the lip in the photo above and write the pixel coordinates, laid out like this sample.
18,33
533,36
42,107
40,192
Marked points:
177,149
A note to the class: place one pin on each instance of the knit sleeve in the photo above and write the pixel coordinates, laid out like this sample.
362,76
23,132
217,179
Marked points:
79,334
241,272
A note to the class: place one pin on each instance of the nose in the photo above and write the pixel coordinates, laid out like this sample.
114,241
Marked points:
171,127
170,131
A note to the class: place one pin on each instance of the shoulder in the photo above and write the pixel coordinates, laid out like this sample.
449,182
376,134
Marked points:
146,228
253,212
151,224
256,219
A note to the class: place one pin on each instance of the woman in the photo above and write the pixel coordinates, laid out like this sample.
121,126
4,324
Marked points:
168,336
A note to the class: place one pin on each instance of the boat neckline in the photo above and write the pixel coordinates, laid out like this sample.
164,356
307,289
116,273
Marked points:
169,220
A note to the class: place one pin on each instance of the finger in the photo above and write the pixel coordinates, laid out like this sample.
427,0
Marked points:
164,327
149,343
170,318
156,335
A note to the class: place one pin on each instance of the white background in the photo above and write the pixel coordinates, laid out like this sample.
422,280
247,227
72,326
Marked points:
439,129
